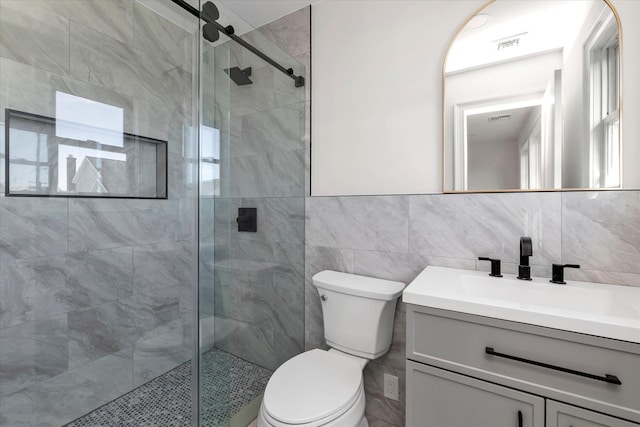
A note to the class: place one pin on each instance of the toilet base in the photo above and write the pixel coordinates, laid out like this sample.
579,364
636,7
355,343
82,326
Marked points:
336,423
353,417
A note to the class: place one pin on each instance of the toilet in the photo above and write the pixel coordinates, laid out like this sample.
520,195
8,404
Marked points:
325,388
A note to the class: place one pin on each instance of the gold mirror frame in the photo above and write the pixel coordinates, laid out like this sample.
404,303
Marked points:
444,88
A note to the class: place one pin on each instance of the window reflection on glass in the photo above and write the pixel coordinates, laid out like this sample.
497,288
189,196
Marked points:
45,157
29,159
603,56
210,161
83,119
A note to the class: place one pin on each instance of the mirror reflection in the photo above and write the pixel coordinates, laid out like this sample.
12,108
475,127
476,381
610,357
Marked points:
532,98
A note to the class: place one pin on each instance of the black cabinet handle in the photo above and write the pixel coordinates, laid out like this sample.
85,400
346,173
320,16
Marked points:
519,418
608,378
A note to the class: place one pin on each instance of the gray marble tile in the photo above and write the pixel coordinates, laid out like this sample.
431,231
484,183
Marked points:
35,36
99,224
468,225
65,397
159,351
25,88
369,223
154,33
96,277
113,18
162,265
292,32
286,347
34,289
32,227
601,230
378,406
181,177
277,129
108,328
31,353
242,291
101,60
99,331
188,219
287,302
389,265
157,308
249,342
376,422
250,250
143,75
278,174
545,227
280,220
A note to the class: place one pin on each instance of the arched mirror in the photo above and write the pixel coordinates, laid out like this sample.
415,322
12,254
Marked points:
532,98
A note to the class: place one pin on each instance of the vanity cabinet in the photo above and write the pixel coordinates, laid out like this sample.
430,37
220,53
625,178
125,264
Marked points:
445,399
561,415
469,370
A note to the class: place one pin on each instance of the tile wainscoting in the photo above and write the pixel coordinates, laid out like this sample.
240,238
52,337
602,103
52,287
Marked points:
395,237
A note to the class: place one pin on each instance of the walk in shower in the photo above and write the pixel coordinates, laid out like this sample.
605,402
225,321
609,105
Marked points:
132,151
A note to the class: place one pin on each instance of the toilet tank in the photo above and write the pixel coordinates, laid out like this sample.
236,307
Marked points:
358,312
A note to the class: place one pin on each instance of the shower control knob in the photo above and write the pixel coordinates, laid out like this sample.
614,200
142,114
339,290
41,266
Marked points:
323,297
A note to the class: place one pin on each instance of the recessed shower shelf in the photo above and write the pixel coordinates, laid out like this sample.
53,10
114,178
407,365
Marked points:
52,157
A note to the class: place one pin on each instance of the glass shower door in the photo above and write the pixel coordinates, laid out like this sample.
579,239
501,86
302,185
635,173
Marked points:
251,283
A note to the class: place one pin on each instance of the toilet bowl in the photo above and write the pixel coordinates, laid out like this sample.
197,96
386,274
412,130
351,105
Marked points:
316,388
322,388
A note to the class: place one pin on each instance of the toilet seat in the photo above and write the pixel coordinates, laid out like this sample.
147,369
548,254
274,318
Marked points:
312,389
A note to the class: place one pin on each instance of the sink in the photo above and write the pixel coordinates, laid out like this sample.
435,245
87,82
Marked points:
591,308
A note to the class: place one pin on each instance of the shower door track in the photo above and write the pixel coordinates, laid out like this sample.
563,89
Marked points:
229,32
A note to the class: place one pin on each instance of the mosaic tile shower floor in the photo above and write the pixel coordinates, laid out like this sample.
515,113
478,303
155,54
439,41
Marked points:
228,384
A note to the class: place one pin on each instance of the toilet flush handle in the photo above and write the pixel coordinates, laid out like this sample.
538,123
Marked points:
323,297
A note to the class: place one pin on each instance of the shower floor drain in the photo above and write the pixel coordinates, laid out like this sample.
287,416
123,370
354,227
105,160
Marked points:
228,383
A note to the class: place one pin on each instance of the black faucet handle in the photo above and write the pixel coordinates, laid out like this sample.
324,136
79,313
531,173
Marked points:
495,266
557,272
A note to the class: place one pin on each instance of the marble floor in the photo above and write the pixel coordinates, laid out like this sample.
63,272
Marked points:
228,384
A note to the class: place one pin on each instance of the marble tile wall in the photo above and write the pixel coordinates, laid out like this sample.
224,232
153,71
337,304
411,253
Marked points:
395,237
95,294
258,283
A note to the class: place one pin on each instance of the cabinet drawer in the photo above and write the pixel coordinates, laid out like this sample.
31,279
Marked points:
459,342
561,415
438,398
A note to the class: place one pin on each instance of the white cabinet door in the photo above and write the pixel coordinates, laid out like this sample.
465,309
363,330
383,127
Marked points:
439,398
561,415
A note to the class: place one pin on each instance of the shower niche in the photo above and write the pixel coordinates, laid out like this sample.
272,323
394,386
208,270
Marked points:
55,157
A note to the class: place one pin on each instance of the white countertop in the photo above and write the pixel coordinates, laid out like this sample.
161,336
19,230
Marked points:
590,308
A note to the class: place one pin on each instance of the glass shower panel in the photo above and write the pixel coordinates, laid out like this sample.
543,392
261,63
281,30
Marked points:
251,287
96,294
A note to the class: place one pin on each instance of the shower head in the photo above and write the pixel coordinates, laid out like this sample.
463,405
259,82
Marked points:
239,77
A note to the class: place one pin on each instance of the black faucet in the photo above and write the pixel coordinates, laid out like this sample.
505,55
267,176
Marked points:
526,250
557,273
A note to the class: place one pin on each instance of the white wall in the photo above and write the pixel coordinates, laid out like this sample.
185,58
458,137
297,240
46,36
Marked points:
377,93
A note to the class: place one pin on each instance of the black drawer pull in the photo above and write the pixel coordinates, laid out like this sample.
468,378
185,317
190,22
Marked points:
519,418
608,378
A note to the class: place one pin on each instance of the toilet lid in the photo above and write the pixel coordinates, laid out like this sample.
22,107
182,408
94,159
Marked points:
311,386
